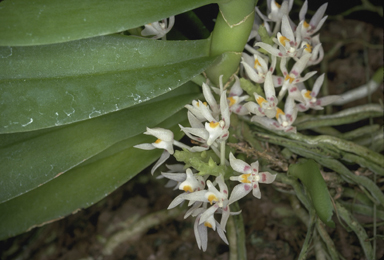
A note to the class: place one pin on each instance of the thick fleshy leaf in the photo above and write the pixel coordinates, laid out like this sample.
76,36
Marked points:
25,22
80,187
307,170
53,85
31,159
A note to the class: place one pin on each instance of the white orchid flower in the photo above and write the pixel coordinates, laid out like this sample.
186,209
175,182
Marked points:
293,77
265,106
317,51
165,140
158,29
288,41
307,30
192,183
249,179
235,99
257,67
201,229
308,98
174,175
284,119
276,12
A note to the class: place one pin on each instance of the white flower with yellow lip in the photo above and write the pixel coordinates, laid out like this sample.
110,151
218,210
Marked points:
288,41
284,118
165,140
193,182
293,77
201,229
257,67
249,179
158,29
264,106
308,99
308,29
317,51
276,12
235,99
218,129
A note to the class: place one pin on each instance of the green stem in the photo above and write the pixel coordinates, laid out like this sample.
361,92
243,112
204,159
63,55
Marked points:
308,237
346,116
357,228
233,26
236,235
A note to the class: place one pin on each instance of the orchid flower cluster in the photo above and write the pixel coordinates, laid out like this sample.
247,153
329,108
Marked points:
204,168
291,43
209,130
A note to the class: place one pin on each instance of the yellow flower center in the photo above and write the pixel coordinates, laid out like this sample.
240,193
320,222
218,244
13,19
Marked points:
232,101
308,94
157,141
260,100
278,5
308,48
305,24
283,40
257,63
213,124
188,188
289,78
279,112
207,224
244,178
212,198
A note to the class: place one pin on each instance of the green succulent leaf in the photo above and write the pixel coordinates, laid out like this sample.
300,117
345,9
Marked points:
25,22
307,170
54,85
31,159
82,186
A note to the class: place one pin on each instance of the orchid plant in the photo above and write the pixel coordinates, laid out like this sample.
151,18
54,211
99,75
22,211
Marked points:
115,85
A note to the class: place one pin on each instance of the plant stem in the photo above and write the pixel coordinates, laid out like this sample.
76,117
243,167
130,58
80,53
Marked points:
233,26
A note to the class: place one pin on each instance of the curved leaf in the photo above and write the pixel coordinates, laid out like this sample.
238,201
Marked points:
46,86
30,159
25,22
80,187
307,170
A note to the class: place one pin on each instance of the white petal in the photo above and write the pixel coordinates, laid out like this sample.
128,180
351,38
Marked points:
210,99
177,201
179,177
164,156
300,64
269,88
252,74
317,16
239,192
160,133
318,83
209,212
236,89
270,49
266,122
222,234
303,11
266,177
239,165
145,146
318,26
286,29
256,191
224,217
193,121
